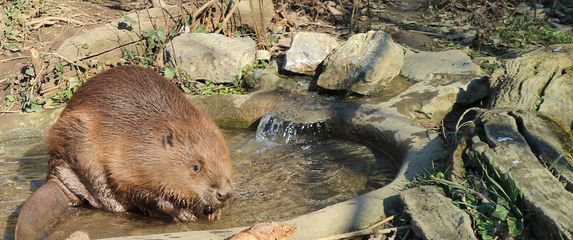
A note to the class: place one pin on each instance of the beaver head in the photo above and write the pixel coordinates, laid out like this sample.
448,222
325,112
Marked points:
201,166
186,165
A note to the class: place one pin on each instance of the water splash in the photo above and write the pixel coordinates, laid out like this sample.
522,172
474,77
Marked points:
277,130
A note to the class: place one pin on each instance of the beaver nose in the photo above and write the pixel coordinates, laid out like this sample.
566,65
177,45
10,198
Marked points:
223,195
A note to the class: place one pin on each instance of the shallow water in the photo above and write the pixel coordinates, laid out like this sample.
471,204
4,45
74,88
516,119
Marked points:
273,182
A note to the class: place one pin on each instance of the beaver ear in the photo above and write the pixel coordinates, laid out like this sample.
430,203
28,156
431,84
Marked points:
168,139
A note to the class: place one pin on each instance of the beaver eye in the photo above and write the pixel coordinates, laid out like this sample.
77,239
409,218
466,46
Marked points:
196,168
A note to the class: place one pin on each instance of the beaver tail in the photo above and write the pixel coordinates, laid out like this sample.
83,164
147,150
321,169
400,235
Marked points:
41,211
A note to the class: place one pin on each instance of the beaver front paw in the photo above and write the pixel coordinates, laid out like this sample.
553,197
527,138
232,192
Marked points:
184,215
212,213
178,214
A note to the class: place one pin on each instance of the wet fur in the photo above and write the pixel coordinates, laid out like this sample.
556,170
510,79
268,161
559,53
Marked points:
129,139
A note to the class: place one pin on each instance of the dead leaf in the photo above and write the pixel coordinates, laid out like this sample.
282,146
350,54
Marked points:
266,231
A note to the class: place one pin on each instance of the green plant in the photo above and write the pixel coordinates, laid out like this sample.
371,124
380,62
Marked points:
9,100
14,22
249,68
522,30
28,84
495,210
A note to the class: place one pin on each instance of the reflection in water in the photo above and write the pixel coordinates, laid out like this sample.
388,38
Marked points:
272,182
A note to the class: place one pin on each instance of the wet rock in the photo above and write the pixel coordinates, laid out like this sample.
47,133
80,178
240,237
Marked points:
541,80
238,111
212,57
250,13
307,51
428,65
434,216
363,64
506,150
108,41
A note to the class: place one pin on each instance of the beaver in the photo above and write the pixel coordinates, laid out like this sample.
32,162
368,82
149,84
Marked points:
129,140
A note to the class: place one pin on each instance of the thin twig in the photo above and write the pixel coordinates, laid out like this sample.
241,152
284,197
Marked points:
444,132
3,112
8,109
389,230
458,186
406,234
458,126
362,232
49,89
74,65
352,20
202,9
52,20
319,24
226,19
14,58
433,34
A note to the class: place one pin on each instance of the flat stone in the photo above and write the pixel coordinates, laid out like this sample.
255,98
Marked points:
210,56
434,216
108,41
307,51
364,64
427,65
543,195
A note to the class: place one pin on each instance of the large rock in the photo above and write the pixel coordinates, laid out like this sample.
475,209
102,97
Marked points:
212,57
108,41
541,80
307,51
428,65
363,64
434,216
504,148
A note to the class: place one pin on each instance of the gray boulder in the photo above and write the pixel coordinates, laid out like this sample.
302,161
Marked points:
363,64
307,51
212,57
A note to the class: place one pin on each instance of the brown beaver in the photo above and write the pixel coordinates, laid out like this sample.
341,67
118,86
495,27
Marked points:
130,140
